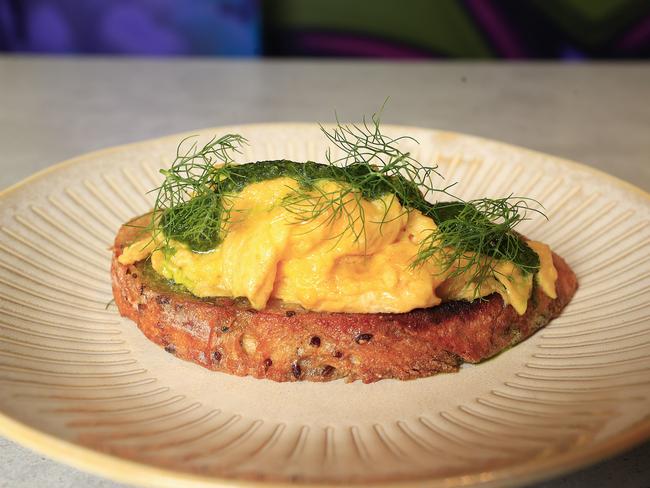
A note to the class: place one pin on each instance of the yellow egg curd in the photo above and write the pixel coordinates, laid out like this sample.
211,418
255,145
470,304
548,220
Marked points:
354,257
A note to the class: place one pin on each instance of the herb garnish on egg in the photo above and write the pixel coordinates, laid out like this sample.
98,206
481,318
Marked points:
193,204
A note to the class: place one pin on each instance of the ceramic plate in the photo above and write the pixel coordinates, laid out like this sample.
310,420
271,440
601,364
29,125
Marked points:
84,386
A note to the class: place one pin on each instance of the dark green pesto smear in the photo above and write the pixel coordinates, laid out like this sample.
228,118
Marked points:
496,241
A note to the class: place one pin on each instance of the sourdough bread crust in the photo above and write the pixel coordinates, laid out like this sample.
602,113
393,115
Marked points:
287,343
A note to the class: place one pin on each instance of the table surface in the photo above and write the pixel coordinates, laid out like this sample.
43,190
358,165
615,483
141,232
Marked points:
55,108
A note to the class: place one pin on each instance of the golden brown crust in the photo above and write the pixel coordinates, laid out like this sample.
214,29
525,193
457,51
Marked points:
287,343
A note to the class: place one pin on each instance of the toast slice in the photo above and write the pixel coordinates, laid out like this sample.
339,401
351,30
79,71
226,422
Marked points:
284,342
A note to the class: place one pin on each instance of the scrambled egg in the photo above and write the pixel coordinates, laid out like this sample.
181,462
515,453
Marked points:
355,260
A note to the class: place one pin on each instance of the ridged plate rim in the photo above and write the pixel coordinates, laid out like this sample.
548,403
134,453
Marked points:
126,471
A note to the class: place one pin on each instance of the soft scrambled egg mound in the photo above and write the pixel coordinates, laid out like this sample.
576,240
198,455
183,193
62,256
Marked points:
357,258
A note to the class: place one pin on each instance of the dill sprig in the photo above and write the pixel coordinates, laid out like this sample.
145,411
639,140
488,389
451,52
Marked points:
373,166
189,206
386,168
473,237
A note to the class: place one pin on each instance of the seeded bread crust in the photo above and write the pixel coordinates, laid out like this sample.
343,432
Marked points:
287,343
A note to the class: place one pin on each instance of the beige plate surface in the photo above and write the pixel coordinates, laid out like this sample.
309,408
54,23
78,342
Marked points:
84,386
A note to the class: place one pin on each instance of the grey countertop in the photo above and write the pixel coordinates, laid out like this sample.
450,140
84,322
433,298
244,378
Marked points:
55,108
